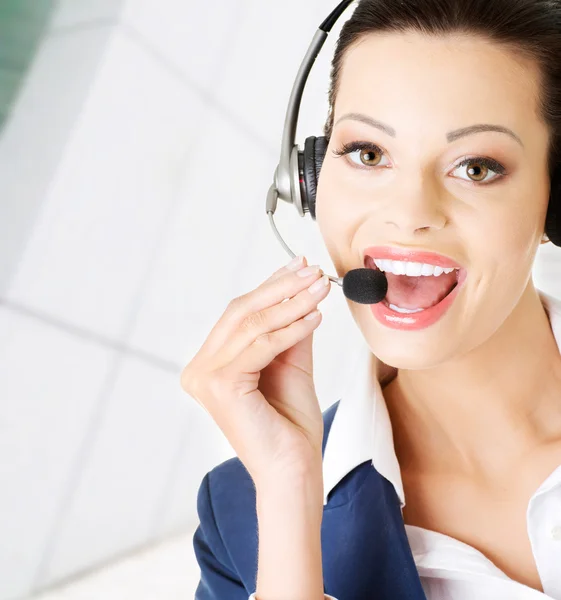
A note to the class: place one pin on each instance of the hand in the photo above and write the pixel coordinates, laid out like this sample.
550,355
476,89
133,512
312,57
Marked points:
254,376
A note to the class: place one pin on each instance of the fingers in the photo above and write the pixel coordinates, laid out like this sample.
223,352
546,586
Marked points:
283,323
239,308
269,344
265,412
270,293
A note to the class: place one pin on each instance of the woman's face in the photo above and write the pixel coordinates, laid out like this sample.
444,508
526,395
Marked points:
411,194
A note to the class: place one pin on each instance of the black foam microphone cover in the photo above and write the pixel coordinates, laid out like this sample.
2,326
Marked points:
365,286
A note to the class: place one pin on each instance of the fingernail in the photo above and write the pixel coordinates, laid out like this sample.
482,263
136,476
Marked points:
295,263
313,315
319,285
307,271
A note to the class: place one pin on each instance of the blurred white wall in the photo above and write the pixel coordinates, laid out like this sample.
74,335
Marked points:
133,172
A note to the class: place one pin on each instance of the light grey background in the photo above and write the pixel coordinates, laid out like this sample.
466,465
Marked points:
139,139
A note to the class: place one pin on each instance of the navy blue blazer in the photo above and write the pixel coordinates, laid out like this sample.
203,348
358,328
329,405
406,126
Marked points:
365,551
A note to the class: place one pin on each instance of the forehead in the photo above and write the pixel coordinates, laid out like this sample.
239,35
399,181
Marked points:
446,79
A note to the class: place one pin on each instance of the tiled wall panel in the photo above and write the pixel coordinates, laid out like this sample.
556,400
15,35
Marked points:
123,482
40,127
105,209
50,383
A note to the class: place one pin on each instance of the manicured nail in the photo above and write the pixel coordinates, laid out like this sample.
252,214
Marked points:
319,285
313,315
307,271
295,263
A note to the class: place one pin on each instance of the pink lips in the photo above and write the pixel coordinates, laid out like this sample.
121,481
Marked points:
421,320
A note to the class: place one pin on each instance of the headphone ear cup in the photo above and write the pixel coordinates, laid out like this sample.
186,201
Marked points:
314,153
553,219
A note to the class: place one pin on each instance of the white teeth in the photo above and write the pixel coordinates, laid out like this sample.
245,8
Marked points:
412,269
405,310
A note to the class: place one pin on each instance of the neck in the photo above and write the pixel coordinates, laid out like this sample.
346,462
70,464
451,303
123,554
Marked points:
482,413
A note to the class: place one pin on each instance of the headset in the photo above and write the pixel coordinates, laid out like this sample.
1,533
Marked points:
297,174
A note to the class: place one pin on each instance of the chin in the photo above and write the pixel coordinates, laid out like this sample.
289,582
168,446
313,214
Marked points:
400,354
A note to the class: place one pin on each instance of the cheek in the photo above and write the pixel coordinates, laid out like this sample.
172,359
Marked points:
506,235
337,207
328,204
336,220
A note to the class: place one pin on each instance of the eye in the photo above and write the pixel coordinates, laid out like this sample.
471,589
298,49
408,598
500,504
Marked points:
366,154
479,168
362,154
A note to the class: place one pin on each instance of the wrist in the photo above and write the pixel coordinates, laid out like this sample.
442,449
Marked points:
304,476
289,526
287,494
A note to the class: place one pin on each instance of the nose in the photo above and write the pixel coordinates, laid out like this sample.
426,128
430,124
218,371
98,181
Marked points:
418,204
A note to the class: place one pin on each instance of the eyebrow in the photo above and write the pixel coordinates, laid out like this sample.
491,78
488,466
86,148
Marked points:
451,136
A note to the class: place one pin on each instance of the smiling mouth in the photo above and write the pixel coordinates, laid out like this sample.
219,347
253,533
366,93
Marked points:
416,293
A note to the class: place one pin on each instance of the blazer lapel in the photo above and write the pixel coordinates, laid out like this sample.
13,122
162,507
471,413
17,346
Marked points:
365,550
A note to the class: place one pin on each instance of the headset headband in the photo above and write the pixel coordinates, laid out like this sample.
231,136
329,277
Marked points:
287,172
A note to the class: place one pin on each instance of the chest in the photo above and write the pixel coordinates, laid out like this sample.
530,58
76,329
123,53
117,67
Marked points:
492,521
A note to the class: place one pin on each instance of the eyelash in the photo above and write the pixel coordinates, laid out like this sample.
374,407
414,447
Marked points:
481,160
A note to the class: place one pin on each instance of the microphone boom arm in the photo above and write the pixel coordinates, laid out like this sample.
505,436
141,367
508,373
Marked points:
272,198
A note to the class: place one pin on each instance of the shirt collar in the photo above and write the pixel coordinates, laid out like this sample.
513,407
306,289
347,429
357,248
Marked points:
361,429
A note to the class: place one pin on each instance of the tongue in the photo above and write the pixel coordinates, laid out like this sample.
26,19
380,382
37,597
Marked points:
419,292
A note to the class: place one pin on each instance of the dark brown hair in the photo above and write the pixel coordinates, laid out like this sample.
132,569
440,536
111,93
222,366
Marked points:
531,28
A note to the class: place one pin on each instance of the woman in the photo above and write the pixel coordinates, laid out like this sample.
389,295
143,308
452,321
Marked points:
439,475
